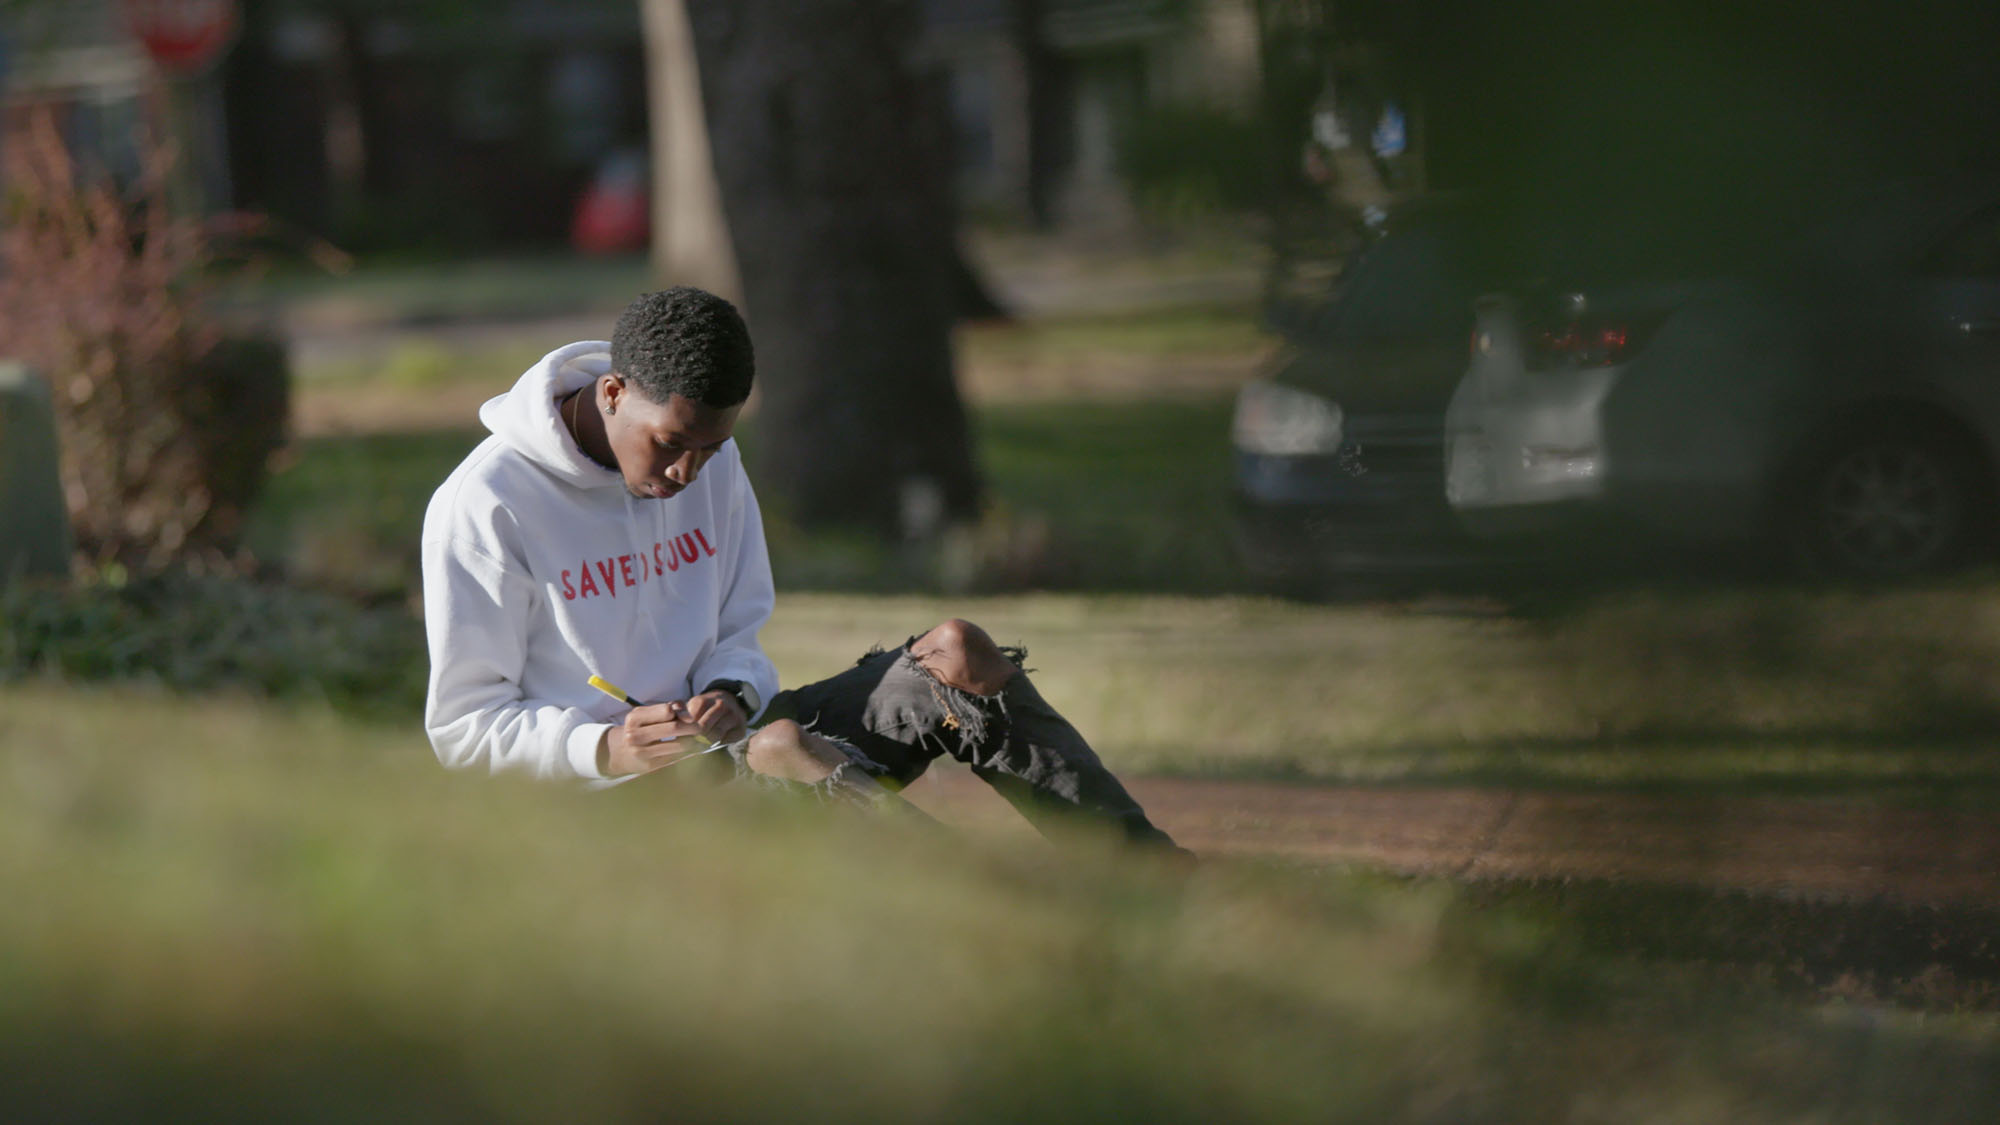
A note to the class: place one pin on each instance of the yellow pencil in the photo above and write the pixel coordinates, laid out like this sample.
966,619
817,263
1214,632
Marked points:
622,696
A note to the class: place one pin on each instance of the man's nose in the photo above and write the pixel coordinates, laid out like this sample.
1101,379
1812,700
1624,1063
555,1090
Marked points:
684,470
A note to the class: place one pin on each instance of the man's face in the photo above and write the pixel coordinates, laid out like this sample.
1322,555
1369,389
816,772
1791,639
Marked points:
661,447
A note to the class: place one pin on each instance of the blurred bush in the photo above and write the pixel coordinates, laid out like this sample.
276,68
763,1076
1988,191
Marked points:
165,424
1186,162
192,633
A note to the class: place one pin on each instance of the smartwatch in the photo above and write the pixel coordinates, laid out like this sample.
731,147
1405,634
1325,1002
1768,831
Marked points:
744,694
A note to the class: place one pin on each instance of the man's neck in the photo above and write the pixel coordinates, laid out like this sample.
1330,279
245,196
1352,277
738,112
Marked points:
587,426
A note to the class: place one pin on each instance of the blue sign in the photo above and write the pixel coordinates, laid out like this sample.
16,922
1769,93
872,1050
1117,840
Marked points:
1391,136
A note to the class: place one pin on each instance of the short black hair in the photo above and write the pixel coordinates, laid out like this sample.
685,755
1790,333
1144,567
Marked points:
684,341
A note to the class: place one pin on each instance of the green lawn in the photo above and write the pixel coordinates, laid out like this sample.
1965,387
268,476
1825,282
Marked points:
421,291
236,910
1889,696
1886,696
1135,494
1158,334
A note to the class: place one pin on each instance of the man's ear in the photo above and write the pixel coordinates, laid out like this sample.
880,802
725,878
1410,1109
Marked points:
614,389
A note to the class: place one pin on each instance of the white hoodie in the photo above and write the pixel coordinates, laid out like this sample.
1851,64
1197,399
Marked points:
540,571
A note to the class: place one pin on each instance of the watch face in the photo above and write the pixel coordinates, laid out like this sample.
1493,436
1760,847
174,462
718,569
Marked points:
744,693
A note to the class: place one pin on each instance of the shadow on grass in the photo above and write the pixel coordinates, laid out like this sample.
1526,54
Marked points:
77,1070
1935,958
1926,765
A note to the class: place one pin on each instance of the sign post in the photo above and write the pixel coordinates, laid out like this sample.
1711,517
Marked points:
185,38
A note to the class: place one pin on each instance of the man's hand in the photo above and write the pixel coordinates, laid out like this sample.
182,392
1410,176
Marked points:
653,736
650,737
719,715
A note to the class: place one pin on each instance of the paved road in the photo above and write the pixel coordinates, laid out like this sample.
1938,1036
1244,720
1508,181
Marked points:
1810,848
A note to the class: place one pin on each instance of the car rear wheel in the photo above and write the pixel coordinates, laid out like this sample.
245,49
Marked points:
1889,502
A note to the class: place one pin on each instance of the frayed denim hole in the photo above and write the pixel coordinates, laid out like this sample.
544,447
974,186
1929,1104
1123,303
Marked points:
856,757
738,752
969,714
838,787
854,754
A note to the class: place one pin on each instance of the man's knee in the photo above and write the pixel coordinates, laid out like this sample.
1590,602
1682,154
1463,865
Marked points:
964,656
784,749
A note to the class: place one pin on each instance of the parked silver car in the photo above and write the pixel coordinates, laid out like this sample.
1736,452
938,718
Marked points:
1845,405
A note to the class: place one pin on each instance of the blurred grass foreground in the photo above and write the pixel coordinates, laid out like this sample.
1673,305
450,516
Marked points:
239,911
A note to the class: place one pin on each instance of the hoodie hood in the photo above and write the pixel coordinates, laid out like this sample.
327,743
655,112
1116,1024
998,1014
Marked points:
526,419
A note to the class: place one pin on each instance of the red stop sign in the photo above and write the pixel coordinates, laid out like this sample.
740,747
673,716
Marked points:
182,35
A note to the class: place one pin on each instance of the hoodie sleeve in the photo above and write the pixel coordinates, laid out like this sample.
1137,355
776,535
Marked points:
747,599
476,617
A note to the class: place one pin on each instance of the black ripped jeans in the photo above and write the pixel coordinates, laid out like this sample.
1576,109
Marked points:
893,718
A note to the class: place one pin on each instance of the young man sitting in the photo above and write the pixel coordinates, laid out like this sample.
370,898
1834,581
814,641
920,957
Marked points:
606,528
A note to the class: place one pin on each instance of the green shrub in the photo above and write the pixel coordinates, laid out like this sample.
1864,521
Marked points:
1188,162
189,633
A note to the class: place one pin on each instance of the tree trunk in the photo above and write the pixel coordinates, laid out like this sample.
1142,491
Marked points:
843,233
276,118
1042,67
690,236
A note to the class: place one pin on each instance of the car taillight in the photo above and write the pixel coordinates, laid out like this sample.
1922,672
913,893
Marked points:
1573,336
1580,343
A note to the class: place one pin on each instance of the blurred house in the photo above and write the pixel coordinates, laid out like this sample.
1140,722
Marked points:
457,125
432,124
385,126
78,61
